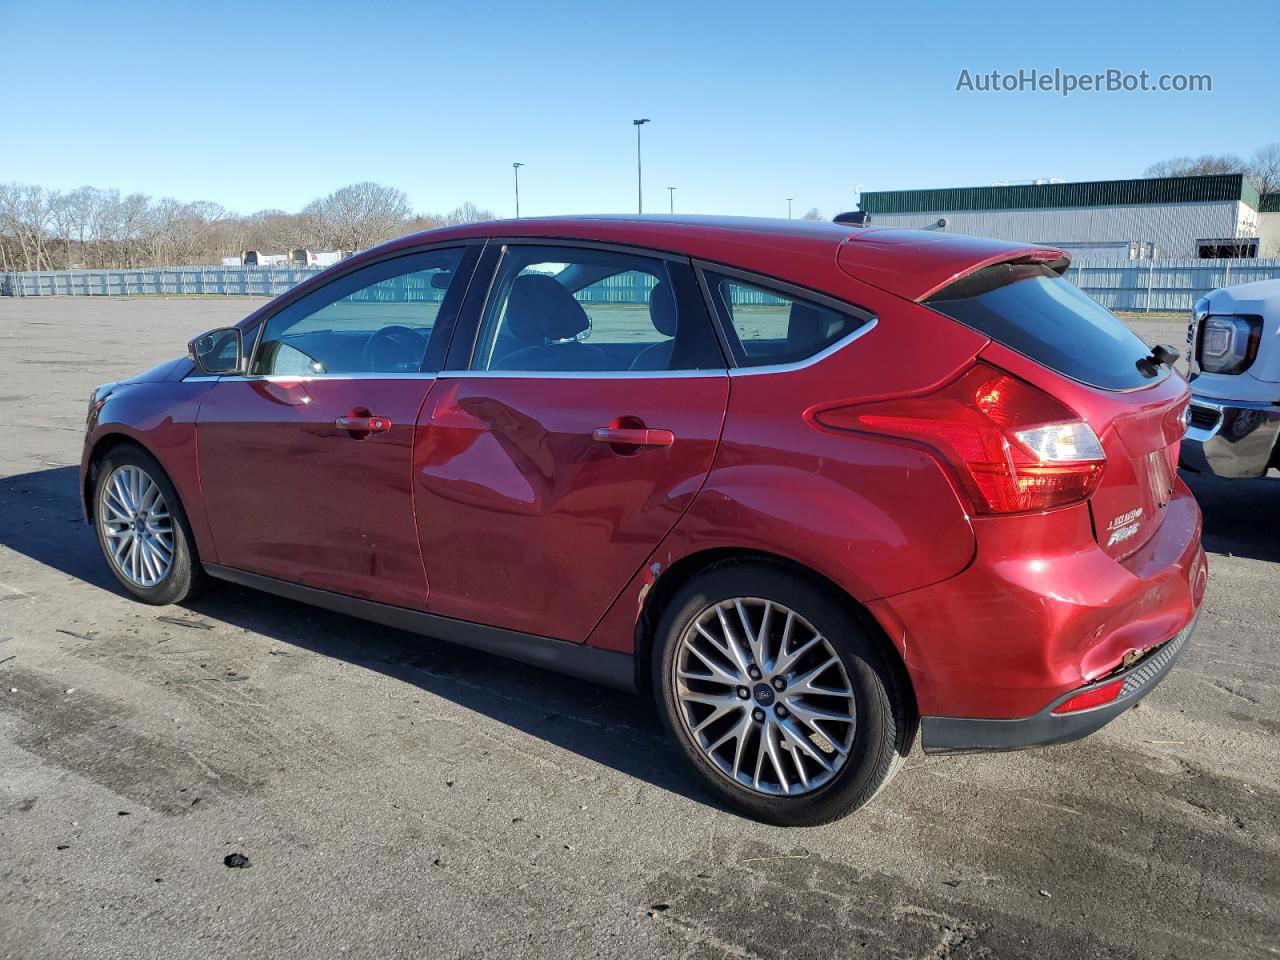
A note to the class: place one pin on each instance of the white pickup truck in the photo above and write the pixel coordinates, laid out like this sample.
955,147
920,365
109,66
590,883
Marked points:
1234,358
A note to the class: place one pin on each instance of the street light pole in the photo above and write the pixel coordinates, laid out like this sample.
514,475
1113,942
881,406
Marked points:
671,195
639,182
789,199
516,168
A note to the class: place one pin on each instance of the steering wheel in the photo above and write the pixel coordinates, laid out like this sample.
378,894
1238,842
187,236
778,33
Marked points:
395,349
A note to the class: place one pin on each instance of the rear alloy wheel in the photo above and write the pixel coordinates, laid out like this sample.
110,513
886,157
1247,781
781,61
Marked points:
764,696
142,530
779,694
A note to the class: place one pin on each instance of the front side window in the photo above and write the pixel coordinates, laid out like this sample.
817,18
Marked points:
770,327
558,309
376,320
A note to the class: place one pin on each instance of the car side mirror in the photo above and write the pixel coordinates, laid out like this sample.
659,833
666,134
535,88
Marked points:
218,352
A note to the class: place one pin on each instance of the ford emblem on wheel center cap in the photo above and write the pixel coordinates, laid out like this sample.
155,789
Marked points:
763,694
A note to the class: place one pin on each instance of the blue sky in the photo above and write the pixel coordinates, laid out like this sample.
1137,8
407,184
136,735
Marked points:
270,104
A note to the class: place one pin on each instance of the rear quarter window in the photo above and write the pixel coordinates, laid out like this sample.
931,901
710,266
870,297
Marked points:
1029,308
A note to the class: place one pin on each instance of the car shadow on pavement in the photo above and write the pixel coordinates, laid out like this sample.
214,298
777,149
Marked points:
1241,517
40,518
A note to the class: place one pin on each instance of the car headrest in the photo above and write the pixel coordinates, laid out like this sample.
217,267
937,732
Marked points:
541,309
807,325
662,308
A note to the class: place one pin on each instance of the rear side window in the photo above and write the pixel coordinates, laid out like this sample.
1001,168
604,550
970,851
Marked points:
1027,307
768,326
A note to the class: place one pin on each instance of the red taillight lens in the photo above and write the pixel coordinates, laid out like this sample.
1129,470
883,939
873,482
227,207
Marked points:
1013,447
1092,698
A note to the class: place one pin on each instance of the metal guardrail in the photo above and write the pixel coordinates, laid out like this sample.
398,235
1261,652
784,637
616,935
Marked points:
1170,286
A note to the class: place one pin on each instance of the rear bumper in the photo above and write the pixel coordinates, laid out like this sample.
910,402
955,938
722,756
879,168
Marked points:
1230,438
969,734
1043,611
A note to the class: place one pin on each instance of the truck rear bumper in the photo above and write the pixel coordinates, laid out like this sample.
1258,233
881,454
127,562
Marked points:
969,734
1230,438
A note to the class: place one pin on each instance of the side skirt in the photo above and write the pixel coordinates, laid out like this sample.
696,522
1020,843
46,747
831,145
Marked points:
606,667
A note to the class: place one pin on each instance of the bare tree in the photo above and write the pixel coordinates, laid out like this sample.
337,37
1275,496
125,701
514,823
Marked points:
466,213
360,215
813,214
26,212
1264,168
99,227
1203,165
62,219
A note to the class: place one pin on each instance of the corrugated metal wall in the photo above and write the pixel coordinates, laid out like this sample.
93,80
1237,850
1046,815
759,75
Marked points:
1173,228
1093,193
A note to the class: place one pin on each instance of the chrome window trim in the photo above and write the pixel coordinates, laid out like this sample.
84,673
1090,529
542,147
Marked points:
807,361
307,378
583,374
868,318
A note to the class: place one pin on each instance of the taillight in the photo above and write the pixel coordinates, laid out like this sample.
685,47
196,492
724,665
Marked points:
1013,447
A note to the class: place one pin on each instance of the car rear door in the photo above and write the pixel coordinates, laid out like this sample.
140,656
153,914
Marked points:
306,462
579,422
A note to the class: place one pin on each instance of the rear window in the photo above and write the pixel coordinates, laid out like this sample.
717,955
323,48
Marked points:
1027,307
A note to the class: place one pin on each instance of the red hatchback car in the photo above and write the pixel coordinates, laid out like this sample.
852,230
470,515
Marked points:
811,486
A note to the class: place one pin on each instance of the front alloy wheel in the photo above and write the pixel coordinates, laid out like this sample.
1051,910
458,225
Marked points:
136,525
142,529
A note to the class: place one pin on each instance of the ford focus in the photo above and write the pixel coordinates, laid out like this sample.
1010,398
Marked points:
816,489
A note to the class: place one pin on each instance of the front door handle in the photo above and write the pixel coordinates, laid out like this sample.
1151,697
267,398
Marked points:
634,436
368,424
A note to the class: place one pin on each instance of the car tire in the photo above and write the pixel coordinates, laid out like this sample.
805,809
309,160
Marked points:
875,740
129,468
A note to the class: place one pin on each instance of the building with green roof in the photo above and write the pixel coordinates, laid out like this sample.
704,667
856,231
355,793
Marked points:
1179,217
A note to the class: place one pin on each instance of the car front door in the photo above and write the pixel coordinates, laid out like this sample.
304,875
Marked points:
580,430
306,461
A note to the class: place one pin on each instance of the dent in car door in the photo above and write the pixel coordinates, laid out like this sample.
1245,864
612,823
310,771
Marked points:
530,523
545,475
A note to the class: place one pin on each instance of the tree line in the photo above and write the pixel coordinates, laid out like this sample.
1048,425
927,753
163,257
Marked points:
95,228
1262,167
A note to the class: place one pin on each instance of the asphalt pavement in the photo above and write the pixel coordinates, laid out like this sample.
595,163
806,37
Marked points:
396,797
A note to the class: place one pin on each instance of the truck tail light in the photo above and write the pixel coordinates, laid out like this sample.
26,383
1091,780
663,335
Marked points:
1012,446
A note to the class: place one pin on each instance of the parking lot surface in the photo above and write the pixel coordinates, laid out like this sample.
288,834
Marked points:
398,797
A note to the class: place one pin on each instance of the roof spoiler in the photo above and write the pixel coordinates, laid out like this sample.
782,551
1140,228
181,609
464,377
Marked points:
1055,260
854,218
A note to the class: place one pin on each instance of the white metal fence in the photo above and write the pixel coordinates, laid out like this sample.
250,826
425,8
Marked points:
1141,285
1164,286
172,281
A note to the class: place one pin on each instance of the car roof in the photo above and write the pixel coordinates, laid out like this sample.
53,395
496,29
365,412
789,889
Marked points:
909,263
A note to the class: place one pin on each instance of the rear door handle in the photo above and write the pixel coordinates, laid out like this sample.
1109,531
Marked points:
369,424
634,436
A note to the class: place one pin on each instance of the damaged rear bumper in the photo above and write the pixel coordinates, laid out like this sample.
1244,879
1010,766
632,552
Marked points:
966,734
